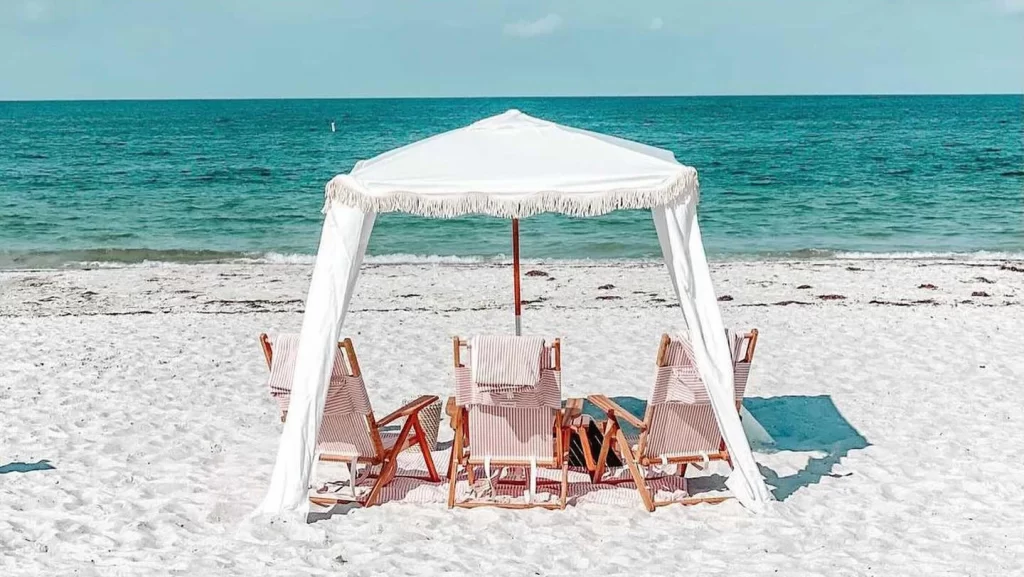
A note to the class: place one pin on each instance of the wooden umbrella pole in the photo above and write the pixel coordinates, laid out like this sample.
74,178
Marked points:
515,271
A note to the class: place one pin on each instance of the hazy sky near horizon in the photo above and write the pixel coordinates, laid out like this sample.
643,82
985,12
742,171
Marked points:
70,49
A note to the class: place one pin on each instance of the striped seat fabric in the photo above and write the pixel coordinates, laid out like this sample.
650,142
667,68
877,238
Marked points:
678,379
508,422
741,362
345,394
546,394
682,422
511,434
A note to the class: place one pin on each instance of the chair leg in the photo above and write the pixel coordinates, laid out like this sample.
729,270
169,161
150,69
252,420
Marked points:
564,490
634,470
724,451
378,485
390,465
462,435
424,448
606,444
563,435
451,485
453,460
588,455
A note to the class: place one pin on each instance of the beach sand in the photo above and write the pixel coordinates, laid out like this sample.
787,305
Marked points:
137,435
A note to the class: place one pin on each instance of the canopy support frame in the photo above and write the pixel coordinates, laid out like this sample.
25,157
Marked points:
516,288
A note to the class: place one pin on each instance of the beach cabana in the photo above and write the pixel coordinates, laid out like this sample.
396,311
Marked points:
510,166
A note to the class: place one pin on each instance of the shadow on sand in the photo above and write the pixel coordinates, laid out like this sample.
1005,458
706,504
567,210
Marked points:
796,423
339,509
42,465
804,424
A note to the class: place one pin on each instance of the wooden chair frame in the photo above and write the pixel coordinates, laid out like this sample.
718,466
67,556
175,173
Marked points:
461,455
411,433
634,460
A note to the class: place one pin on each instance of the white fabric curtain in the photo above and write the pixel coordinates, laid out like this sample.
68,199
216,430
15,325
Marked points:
343,242
681,244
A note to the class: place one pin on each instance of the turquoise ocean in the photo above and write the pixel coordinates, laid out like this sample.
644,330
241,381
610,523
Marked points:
781,177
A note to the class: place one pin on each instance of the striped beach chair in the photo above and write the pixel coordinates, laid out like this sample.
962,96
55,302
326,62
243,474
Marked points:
349,432
280,381
679,426
508,420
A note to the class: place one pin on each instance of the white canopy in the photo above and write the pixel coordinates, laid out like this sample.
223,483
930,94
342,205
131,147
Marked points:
510,165
513,165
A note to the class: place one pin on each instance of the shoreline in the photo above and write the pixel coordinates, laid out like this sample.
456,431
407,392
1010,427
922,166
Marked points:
232,288
274,258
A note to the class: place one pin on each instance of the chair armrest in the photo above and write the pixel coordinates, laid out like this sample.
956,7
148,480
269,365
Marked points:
615,411
451,409
409,409
573,409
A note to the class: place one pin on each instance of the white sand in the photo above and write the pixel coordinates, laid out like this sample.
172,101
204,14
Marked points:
899,427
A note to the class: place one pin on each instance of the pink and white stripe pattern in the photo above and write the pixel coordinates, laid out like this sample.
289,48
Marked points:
678,380
506,363
282,369
511,433
682,430
682,421
345,429
547,392
740,367
345,394
512,423
407,489
346,435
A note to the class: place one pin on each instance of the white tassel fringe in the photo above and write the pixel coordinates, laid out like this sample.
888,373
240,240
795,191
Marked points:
683,186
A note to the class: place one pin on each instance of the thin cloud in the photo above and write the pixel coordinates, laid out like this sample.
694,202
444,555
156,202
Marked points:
539,27
656,23
35,11
1013,6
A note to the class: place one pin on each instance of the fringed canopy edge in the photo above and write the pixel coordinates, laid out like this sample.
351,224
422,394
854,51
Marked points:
343,190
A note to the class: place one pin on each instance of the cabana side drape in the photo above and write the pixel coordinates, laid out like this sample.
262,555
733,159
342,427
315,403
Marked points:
342,246
683,249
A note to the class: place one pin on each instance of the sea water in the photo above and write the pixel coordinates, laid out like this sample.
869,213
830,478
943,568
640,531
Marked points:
804,177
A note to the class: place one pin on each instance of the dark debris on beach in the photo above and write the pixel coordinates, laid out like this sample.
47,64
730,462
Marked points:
832,297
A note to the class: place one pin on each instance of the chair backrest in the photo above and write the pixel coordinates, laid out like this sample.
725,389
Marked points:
679,417
742,356
348,425
511,424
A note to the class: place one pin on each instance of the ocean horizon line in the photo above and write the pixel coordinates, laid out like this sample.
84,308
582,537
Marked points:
508,97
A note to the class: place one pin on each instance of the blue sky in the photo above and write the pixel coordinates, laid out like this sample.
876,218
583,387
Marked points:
67,49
